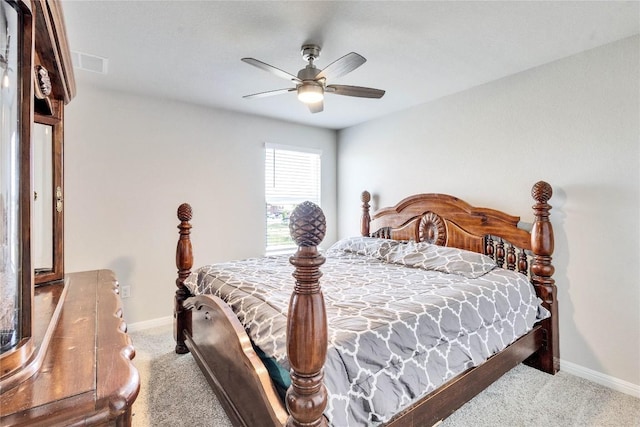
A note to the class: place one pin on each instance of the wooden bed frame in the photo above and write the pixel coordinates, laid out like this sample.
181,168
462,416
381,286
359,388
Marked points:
206,326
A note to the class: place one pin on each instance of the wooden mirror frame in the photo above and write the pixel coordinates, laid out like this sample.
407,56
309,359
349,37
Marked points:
52,53
56,121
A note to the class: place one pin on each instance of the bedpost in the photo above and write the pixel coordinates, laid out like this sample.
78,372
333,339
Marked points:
366,218
307,321
184,262
548,358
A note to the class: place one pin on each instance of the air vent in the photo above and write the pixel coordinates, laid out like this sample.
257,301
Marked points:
87,62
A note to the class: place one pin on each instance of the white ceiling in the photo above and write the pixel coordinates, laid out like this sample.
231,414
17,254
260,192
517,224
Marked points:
417,51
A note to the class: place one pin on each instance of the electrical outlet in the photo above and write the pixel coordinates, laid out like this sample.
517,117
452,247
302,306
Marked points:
125,291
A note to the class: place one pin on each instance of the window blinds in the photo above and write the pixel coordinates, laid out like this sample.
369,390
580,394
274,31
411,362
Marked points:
292,176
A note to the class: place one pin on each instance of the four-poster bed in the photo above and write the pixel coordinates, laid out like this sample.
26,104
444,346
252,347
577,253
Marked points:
248,384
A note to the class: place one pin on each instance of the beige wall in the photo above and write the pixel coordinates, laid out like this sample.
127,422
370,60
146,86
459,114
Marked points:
574,123
130,161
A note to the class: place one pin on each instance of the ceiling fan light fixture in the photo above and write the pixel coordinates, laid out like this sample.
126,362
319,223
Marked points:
311,83
310,93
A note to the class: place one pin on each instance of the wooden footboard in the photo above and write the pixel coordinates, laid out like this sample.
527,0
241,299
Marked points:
236,374
207,327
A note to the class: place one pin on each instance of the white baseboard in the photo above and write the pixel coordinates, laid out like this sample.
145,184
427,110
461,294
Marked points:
600,378
148,324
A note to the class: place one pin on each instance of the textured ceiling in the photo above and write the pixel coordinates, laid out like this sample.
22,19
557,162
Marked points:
417,51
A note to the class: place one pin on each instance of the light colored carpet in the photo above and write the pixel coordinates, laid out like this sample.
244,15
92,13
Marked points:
174,392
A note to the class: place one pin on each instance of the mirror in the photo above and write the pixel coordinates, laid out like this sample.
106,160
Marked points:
42,232
47,202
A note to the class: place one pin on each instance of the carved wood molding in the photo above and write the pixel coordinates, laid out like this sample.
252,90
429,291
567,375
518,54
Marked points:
53,50
43,82
42,89
431,229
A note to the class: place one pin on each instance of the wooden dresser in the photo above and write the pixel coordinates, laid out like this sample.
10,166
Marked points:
86,376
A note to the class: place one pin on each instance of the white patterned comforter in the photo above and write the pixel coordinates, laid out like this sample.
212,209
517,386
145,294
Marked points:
403,318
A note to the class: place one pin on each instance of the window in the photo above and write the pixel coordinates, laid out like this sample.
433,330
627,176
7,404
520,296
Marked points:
292,176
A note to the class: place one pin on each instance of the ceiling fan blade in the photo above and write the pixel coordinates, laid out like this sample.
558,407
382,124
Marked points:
316,107
270,68
269,93
359,91
342,66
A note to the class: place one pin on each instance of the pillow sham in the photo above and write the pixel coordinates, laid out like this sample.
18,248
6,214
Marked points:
439,258
365,246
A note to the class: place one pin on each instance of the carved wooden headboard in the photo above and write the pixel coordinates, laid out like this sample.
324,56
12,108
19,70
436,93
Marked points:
448,221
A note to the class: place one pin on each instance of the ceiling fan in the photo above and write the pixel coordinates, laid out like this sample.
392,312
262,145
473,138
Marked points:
311,83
